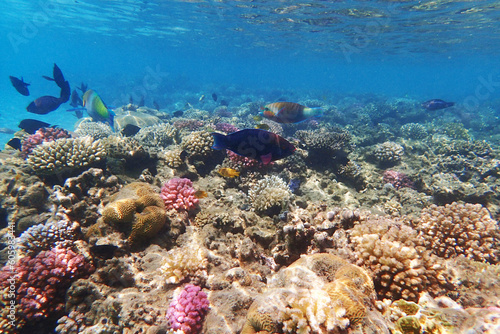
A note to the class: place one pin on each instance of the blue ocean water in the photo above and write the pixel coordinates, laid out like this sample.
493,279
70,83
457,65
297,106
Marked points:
170,51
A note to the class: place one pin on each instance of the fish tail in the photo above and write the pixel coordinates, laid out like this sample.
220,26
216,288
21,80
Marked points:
220,141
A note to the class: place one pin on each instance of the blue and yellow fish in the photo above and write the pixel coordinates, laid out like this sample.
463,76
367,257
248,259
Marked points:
97,109
289,112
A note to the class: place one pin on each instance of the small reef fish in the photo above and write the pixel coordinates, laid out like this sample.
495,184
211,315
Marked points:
12,183
228,172
43,105
7,131
261,145
200,194
130,130
262,126
156,105
214,97
104,251
178,113
15,143
97,109
83,87
201,98
76,101
32,125
437,104
289,112
20,85
257,118
141,102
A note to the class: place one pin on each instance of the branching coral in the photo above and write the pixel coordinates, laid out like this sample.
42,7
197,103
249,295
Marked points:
160,135
187,261
460,229
269,192
388,153
178,194
188,309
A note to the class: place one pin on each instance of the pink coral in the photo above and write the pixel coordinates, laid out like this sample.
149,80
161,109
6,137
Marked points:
398,179
178,194
243,162
42,135
190,124
41,281
226,127
188,309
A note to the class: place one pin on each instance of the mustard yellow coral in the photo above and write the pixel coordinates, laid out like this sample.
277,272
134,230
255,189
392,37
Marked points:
136,208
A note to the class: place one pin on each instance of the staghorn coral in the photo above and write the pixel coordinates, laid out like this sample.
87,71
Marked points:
319,293
65,154
96,130
159,135
188,309
413,131
41,281
41,136
43,237
388,153
460,229
198,144
138,210
401,267
269,193
178,194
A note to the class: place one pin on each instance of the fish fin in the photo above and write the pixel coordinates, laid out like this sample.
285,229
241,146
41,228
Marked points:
47,78
267,158
220,141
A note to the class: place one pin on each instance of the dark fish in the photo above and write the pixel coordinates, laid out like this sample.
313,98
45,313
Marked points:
79,113
83,87
15,143
131,100
76,101
437,104
178,113
130,130
7,131
224,103
104,251
58,77
31,125
261,145
289,112
20,85
156,105
43,105
214,96
141,102
65,92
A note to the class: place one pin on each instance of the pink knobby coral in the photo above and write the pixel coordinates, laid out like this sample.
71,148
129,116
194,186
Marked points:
190,124
243,162
178,194
42,135
188,309
41,281
398,180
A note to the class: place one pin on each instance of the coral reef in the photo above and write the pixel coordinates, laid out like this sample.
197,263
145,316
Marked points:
96,130
65,154
188,309
269,194
325,140
42,135
460,229
160,135
173,158
198,144
388,153
414,131
138,210
178,194
136,118
226,127
397,179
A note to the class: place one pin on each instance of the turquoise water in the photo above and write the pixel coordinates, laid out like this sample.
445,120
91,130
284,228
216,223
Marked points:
170,51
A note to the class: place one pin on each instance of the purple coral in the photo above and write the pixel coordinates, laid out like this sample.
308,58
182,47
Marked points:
188,309
179,194
41,281
43,135
226,127
398,179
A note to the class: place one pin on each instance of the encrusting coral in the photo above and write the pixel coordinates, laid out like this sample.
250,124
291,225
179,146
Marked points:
319,293
137,209
65,154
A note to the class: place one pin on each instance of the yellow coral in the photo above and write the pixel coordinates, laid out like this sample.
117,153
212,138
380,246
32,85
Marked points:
148,223
121,211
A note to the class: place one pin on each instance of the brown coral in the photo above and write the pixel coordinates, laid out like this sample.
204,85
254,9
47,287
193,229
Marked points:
137,208
460,229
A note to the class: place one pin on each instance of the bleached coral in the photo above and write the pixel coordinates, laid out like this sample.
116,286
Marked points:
269,192
187,261
460,229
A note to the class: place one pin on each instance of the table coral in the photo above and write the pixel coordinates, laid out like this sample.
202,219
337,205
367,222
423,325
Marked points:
188,309
178,194
136,208
460,229
41,281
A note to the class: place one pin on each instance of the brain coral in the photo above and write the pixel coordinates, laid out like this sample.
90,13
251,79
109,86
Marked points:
401,267
138,210
65,154
319,293
269,192
460,229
